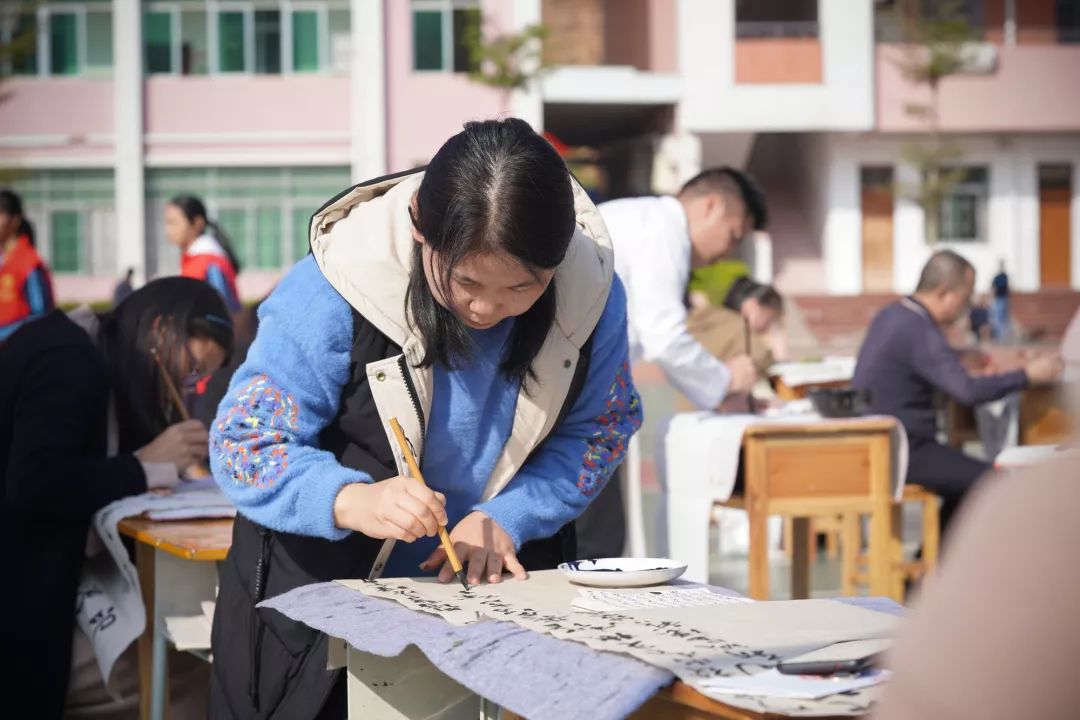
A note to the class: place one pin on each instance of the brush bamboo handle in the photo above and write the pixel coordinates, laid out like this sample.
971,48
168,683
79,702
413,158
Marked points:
415,471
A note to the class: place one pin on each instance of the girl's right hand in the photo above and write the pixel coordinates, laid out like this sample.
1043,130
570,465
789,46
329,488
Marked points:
181,444
400,508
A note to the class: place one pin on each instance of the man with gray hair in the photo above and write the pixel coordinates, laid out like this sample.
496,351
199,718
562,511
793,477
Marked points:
905,360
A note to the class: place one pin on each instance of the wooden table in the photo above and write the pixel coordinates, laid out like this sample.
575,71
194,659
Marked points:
816,469
177,565
679,701
1043,419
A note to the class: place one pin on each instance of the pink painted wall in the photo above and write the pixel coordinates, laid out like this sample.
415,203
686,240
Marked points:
1033,89
425,108
67,110
640,33
663,36
302,105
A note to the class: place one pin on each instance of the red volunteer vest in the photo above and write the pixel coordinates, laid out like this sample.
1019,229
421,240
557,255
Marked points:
21,260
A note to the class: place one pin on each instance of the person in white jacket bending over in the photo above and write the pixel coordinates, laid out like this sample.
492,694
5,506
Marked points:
658,241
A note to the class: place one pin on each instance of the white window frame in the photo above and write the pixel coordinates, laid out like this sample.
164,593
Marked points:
322,30
982,206
175,44
214,8
446,7
248,7
44,37
82,209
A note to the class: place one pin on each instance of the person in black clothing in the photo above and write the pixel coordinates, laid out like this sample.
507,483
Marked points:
905,360
85,419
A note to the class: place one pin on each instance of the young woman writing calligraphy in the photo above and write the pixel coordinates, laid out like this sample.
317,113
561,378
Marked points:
475,302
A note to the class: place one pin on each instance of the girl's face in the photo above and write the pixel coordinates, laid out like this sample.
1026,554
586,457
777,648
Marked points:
202,357
759,317
485,289
178,229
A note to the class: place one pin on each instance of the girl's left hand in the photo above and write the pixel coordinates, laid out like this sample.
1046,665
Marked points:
485,551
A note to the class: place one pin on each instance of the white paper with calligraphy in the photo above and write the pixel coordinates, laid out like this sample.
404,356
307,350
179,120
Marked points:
109,606
694,643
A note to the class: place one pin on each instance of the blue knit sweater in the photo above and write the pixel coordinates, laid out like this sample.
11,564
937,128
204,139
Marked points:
264,442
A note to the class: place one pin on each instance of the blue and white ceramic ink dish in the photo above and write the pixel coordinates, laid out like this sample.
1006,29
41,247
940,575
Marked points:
623,572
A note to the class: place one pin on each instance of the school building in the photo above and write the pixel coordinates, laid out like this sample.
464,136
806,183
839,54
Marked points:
267,107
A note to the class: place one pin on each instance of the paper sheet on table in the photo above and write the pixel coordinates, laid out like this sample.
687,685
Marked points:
610,600
692,642
109,606
774,684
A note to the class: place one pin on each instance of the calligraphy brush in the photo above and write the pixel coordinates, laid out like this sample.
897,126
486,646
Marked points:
173,392
444,537
750,394
178,402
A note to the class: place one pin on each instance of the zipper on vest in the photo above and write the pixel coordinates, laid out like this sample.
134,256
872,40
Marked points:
258,628
415,398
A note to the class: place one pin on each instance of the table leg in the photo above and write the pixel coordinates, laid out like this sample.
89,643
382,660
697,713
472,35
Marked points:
885,545
757,514
144,564
931,519
159,686
850,547
800,558
896,553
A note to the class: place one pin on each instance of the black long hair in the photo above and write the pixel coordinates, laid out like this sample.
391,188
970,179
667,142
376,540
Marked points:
744,289
193,208
496,187
11,204
159,318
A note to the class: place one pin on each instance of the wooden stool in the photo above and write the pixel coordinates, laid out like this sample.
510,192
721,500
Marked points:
853,562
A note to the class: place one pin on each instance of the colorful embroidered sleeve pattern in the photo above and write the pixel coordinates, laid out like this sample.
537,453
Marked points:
607,444
252,435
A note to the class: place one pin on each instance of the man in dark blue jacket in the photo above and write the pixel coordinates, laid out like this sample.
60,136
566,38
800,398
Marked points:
905,360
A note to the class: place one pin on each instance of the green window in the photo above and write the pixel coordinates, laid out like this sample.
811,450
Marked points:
63,44
157,37
66,246
466,35
268,238
235,224
99,41
301,222
305,41
427,40
268,41
231,42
